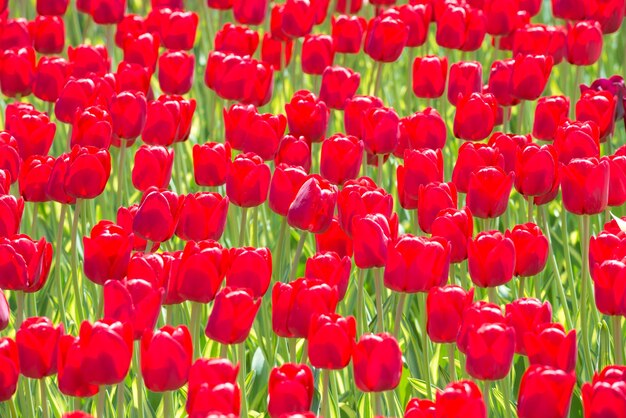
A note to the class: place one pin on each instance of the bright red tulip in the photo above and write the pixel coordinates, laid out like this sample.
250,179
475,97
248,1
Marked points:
294,151
284,187
317,53
248,180
17,71
465,78
25,263
526,315
250,268
313,206
106,252
491,259
531,249
108,348
599,107
178,30
488,192
232,316
530,75
577,140
152,168
341,158
469,111
536,170
48,34
37,345
490,351
201,271
210,163
377,363
157,215
545,391
176,69
585,186
549,345
331,341
385,38
166,372
354,112
348,33
213,388
429,76
307,116
446,306
239,40
584,43
464,396
290,390
338,85
9,368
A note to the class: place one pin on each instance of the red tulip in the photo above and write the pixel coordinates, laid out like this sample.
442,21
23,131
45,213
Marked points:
9,368
584,43
604,395
372,234
585,186
286,183
348,32
294,151
50,77
334,240
385,38
317,54
464,396
490,351
429,76
361,197
11,211
263,134
377,363
295,304
108,348
87,59
128,111
170,372
202,216
248,179
465,79
417,18
9,158
355,111
52,8
500,16
142,50
298,18
168,120
92,127
106,12
530,75
338,85
178,30
424,129
131,26
420,168
331,268
536,170
152,168
313,206
455,225
250,268
25,263
17,71
176,69
157,215
88,172
213,387
509,145
577,140
201,271
609,294
239,40
531,249
33,131
537,39
460,27
500,82
331,341
290,390
37,345
608,13
231,319
417,264
432,199
488,192
526,315
491,259
276,52
133,301
469,111
341,158
106,252
420,408
549,345
545,391
568,9
446,306
71,379
34,176
599,107
210,163
48,34
380,130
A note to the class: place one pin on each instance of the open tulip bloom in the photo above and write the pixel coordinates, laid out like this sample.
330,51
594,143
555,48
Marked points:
312,208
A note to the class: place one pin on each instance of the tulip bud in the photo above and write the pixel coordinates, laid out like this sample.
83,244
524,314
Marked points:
331,341
377,363
232,316
545,391
162,373
290,390
585,185
491,259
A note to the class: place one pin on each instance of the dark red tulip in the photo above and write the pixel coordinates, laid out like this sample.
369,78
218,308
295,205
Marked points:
25,263
298,18
71,379
200,284
248,179
231,319
465,79
157,215
536,170
460,27
37,345
568,9
133,301
162,373
107,12
348,32
577,140
295,304
33,178
355,111
475,116
490,351
239,40
385,38
250,12
276,52
142,50
491,259
500,82
549,345
599,107
584,43
108,348
531,249
220,4
250,268
464,396
294,151
128,111
88,59
48,34
213,388
341,158
11,210
210,163
313,206
334,240
445,306
530,76
178,30
290,390
176,69
106,252
429,76
285,184
377,363
17,71
9,368
585,185
93,127
152,168
338,85
317,53
526,315
488,192
202,217
545,391
371,235
50,77
331,341
52,8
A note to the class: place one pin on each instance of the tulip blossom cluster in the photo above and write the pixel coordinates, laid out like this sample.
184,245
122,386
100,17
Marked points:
312,208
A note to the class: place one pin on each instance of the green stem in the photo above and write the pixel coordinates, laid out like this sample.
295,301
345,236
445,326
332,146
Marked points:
360,308
242,378
486,389
102,394
379,73
381,160
493,294
19,296
378,286
377,404
167,404
138,379
12,408
280,250
616,321
451,362
57,264
44,398
243,226
584,302
530,209
121,172
520,117
506,391
326,393
568,259
195,329
74,264
425,347
292,343
397,326
296,258
33,222
120,399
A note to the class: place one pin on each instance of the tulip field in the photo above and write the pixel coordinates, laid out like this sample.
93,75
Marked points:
312,208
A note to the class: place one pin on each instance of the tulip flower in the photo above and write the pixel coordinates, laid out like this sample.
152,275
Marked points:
34,178
425,129
51,75
609,297
355,111
71,379
331,341
92,127
239,40
531,249
471,109
48,34
490,351
202,216
201,285
25,264
445,308
537,39
530,75
9,368
577,140
86,59
108,348
176,69
598,107
525,315
545,391
317,54
348,33
460,27
418,408
178,30
488,192
421,167
331,268
584,43
463,395
341,158
385,38
163,373
491,259
500,82
377,363
54,8
128,111
371,236
429,76
456,226
248,180
15,33
106,252
313,205
157,215
232,316
338,85
107,12
17,71
380,130
549,345
536,170
585,186
33,131
285,185
294,151
37,346
142,50
465,78
11,211
210,163
213,387
307,116
250,268
334,240
568,9
290,390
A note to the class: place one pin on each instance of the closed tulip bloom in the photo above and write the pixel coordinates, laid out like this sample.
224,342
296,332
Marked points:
349,6
11,211
509,145
456,226
488,192
307,116
417,19
142,50
213,388
249,12
250,268
106,252
617,179
568,9
445,307
71,379
609,295
371,235
331,268
285,185
584,42
420,408
607,245
464,396
133,301
210,163
537,39
15,33
335,240
549,345
385,38
490,350
491,259
52,8
501,17
577,140
17,71
50,77
425,129
377,363
9,368
361,197
201,271
33,178
92,127
152,168
298,17
33,131
432,199
88,172
604,395
526,315
248,180
37,345
237,121
294,151
500,82
176,69
162,122
128,111
465,79
338,85
9,158
429,76
170,372
531,249
108,348
331,341
530,76
131,26
599,107
107,12
536,170
158,215
239,40
263,135
475,116
417,264
474,316
455,24
25,263
585,186
341,158
276,52
202,216
313,206
290,390
48,34
232,316
347,33
178,30
317,54
355,111
545,391
380,130
87,59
